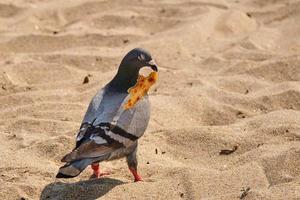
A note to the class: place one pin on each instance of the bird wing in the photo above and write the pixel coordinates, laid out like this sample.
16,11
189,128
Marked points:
108,126
95,144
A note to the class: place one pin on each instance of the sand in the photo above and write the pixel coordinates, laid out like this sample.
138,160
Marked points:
229,76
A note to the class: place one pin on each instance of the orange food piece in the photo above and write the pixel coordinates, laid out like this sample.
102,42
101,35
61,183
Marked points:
140,89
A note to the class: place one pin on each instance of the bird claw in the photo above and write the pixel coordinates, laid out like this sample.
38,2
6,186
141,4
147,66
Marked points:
96,171
100,174
103,174
138,179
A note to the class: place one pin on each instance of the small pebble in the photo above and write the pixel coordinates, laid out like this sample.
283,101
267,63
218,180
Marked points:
86,80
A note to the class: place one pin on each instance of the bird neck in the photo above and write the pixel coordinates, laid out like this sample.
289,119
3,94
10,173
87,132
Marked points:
124,79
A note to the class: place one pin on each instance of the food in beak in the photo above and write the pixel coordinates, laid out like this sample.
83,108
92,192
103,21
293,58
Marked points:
140,88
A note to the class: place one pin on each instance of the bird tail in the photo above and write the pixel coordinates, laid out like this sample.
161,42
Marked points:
74,168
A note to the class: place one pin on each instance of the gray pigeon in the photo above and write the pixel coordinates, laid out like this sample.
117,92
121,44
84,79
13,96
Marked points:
108,131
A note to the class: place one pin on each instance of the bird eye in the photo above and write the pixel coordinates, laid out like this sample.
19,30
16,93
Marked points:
141,57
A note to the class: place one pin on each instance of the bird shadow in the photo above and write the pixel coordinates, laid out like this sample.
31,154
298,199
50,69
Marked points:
87,190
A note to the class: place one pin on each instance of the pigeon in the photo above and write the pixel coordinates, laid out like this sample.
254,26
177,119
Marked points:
108,130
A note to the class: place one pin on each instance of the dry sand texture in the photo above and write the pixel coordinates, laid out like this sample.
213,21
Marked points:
229,76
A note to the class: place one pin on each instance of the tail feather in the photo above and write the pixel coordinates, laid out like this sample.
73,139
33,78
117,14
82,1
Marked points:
73,169
69,157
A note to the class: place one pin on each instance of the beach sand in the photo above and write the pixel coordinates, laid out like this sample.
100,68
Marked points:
229,78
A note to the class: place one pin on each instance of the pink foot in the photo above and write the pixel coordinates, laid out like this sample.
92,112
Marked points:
96,171
137,177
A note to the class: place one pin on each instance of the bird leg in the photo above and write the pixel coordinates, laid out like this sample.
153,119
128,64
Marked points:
134,172
96,170
132,164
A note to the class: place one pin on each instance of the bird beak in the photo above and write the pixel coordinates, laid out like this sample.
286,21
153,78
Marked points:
153,65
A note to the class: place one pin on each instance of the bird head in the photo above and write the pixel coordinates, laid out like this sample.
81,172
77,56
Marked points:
129,68
137,59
